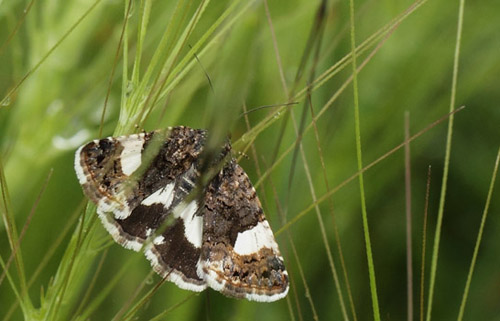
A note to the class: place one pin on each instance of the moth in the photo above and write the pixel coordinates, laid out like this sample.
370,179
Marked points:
150,197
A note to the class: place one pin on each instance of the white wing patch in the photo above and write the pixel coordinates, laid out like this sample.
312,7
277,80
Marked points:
159,240
193,224
163,196
131,156
252,240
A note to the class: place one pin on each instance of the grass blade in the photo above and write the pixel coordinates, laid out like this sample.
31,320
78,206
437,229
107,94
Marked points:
369,255
479,238
409,255
424,244
437,236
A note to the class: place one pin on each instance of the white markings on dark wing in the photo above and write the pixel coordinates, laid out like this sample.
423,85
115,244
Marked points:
174,253
131,156
193,224
252,240
159,240
164,195
173,259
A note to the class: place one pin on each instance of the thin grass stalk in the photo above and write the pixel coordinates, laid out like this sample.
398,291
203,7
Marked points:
124,43
293,287
478,240
145,10
409,254
369,255
424,244
437,236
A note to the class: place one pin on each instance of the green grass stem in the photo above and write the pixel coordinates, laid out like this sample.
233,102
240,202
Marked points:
437,236
478,240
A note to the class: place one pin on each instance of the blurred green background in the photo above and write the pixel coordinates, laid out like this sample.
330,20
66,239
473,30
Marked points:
61,56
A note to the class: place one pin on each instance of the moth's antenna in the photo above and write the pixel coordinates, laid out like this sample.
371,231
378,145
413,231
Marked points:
204,70
267,106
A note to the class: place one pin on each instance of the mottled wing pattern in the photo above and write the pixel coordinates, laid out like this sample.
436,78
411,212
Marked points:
239,255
